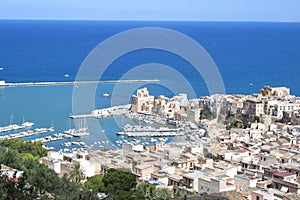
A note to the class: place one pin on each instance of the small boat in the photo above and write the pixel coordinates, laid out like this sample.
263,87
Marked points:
47,147
26,124
82,131
105,95
66,75
1,68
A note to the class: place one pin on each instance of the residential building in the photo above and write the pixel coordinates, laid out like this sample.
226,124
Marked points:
215,184
191,180
253,108
10,174
284,181
143,170
176,182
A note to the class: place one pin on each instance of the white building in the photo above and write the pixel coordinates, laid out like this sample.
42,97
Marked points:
215,184
277,107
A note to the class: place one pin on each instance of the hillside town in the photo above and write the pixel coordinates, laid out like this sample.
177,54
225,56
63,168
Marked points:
236,146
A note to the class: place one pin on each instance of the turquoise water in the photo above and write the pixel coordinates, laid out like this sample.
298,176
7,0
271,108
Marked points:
48,106
248,55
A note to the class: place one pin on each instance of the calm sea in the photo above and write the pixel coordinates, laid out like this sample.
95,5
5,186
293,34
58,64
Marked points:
248,55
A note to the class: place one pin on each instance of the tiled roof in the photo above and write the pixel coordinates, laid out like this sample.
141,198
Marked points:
283,174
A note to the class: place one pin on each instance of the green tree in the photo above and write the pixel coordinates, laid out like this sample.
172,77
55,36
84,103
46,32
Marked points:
34,148
151,192
9,157
95,183
205,114
119,184
29,156
163,194
76,174
15,190
140,191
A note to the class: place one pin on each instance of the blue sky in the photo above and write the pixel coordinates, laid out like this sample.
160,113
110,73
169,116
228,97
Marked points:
198,10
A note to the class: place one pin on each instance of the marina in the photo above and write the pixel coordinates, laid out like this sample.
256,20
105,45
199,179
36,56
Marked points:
12,127
28,133
82,131
48,139
123,110
147,118
139,128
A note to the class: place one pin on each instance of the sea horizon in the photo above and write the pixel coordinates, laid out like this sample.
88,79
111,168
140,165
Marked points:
149,20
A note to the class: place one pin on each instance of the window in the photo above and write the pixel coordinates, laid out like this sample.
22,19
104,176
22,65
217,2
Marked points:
257,197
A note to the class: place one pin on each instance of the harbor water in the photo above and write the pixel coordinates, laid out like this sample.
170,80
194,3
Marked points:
48,106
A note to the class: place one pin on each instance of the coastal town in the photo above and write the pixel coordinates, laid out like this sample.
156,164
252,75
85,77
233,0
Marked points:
149,100
234,146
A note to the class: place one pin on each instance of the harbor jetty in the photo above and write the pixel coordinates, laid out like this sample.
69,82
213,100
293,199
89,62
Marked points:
149,131
105,112
28,133
4,84
153,134
12,127
137,128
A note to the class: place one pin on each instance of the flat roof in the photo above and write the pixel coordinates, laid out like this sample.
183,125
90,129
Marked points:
195,174
175,176
143,166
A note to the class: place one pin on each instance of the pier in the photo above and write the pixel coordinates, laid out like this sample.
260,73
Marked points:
149,131
4,84
153,134
82,116
105,112
28,133
131,128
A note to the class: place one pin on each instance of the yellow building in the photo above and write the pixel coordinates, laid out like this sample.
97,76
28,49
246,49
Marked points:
142,102
274,91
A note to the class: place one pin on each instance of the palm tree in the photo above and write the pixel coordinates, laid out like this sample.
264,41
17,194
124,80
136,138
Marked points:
76,174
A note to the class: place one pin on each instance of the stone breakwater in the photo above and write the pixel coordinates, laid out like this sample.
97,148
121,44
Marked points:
4,84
